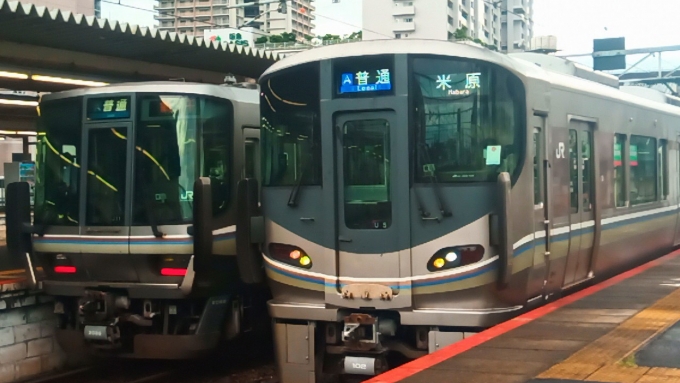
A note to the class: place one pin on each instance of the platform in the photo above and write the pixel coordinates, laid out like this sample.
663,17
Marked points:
624,329
12,274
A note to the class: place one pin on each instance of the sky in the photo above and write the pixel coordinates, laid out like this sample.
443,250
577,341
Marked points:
575,23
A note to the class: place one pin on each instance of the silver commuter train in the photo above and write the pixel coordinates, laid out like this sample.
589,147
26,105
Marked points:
144,195
416,192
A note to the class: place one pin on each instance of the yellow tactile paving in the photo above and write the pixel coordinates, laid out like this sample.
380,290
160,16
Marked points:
660,371
609,358
572,371
618,374
657,379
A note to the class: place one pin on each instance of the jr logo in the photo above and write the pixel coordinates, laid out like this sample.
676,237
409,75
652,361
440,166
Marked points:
559,152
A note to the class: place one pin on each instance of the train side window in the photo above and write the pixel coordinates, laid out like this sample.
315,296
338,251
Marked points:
537,162
588,165
573,170
217,151
643,170
250,161
662,168
619,170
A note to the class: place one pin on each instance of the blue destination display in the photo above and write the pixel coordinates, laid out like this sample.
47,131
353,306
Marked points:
366,81
108,108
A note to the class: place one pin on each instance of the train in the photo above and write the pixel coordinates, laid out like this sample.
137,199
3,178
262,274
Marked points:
416,192
146,221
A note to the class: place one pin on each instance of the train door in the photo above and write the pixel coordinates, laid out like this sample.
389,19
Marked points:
105,210
677,187
582,203
372,210
541,264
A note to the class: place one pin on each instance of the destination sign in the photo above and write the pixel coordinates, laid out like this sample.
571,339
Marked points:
366,81
107,108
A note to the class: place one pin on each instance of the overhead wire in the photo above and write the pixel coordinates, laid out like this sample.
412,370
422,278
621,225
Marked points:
193,18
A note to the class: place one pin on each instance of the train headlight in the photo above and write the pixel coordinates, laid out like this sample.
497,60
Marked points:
452,257
291,255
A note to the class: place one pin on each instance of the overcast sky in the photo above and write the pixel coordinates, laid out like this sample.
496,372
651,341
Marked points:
644,23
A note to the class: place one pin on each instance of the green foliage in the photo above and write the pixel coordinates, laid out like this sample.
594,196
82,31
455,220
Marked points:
328,37
261,40
462,34
355,36
284,37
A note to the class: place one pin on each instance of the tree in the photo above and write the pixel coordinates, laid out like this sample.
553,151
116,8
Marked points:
356,36
284,37
328,37
261,40
461,33
288,37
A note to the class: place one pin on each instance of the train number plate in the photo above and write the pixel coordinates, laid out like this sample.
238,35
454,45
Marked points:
367,292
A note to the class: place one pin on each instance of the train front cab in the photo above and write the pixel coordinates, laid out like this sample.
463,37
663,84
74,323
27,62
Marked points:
387,229
134,229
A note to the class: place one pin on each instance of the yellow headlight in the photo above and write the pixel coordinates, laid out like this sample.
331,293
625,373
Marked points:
439,263
305,260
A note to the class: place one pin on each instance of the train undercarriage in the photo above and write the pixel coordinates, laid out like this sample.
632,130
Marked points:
360,344
110,323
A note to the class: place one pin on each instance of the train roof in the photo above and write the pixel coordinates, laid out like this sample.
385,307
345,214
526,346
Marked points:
596,84
234,93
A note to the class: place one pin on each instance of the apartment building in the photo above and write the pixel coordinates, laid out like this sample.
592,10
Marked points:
194,17
85,7
439,19
517,17
298,19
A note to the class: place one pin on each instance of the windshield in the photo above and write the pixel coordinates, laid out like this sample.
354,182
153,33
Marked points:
166,160
291,129
468,120
166,156
58,162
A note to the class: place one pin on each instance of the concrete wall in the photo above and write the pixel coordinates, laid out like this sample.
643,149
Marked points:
27,343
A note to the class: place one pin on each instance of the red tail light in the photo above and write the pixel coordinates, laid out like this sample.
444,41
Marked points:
173,272
65,269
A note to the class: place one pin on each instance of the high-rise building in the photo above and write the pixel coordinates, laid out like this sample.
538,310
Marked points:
193,17
85,7
446,19
518,25
298,19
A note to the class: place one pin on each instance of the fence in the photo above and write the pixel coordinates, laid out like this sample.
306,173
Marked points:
306,45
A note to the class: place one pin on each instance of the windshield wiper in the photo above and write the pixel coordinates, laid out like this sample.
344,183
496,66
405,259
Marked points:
293,197
150,211
443,208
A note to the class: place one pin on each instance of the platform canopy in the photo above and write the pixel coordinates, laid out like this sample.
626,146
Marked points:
36,41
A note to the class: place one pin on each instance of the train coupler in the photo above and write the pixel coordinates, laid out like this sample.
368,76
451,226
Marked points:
363,332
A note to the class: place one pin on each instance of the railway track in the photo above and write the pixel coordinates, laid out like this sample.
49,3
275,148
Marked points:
119,372
242,362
